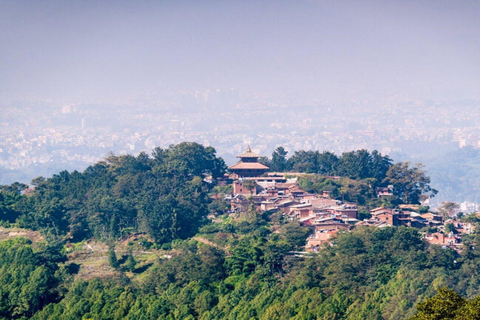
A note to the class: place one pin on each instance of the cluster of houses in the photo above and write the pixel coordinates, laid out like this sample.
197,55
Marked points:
253,185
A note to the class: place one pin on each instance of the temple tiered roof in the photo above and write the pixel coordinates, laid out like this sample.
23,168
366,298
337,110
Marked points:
248,154
248,166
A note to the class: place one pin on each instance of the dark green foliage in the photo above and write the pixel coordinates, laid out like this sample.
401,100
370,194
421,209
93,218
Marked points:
362,171
409,182
279,160
303,161
423,209
190,158
204,265
360,181
359,164
369,273
164,196
361,192
15,187
112,258
447,304
27,279
295,235
130,263
319,184
449,227
247,268
8,201
220,205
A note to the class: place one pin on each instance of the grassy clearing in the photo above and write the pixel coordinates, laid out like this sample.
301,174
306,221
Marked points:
10,233
89,258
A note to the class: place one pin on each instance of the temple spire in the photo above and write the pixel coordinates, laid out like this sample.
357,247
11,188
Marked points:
248,166
249,154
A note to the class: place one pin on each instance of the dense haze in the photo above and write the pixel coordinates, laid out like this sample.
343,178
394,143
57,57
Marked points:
324,50
79,79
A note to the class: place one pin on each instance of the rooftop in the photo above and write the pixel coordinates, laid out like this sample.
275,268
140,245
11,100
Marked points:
248,154
248,165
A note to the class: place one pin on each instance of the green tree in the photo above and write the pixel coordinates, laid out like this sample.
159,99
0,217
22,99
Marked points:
327,163
445,305
250,185
448,209
165,196
190,158
409,182
379,165
304,161
318,184
27,281
112,258
449,227
15,187
279,160
296,235
37,181
130,263
356,164
8,205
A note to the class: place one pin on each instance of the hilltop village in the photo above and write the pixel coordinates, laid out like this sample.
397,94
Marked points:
253,185
134,231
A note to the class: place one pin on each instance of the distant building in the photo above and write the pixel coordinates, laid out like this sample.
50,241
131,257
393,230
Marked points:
239,188
248,166
392,217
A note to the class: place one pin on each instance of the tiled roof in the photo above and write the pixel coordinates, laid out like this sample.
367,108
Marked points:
248,154
248,165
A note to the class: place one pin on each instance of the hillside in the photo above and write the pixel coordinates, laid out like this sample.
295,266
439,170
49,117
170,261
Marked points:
142,238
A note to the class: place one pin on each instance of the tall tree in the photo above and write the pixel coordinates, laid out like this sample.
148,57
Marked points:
379,165
327,163
191,158
356,164
448,209
304,161
112,257
409,182
279,160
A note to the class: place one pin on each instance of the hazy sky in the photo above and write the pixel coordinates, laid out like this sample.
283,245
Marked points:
326,50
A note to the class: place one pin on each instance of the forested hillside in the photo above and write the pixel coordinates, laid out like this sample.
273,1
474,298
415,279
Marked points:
246,266
248,272
163,196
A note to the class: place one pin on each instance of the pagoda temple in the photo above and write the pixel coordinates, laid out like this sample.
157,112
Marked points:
248,166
